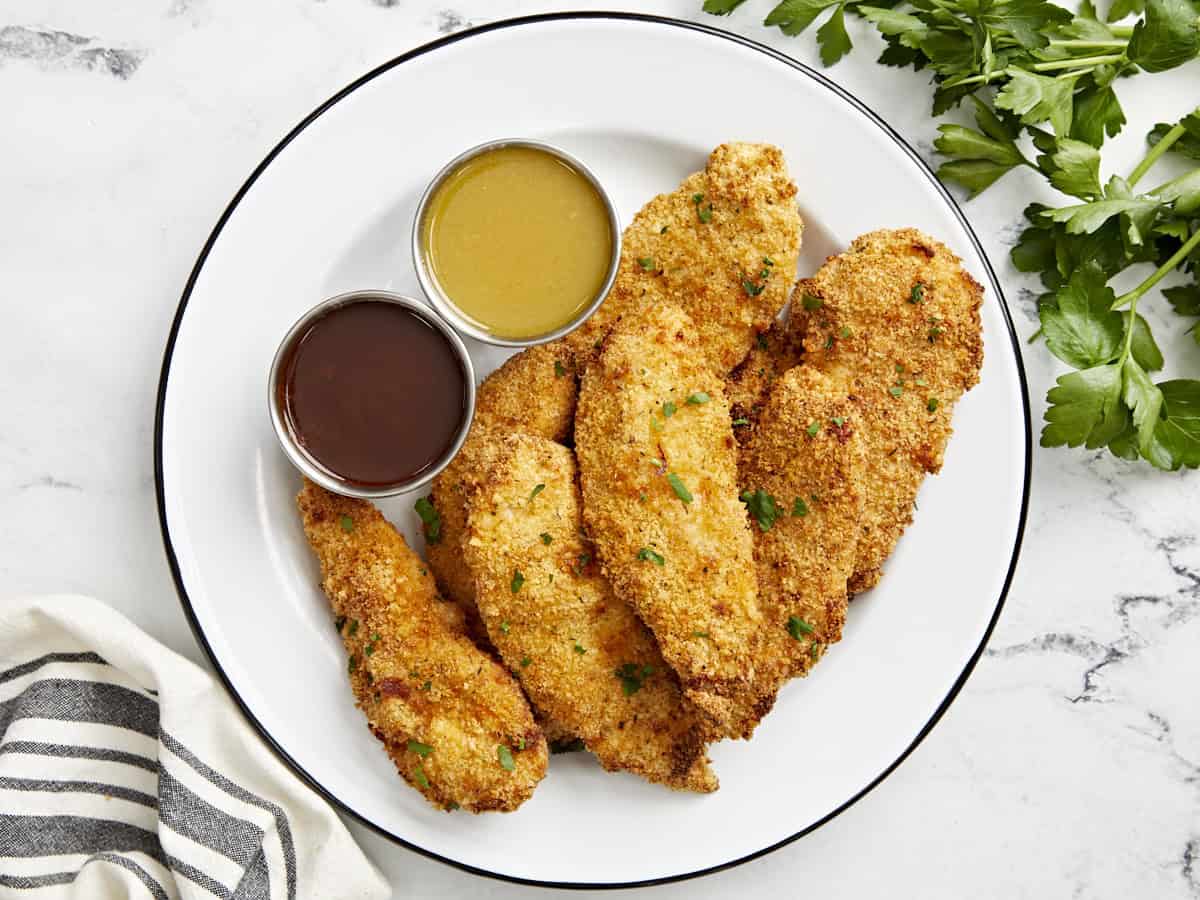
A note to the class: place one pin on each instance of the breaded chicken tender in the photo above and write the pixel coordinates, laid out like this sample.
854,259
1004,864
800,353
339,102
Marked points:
896,319
658,466
533,392
453,720
723,247
799,472
580,652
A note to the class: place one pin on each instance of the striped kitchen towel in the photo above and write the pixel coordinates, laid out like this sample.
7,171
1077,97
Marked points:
125,771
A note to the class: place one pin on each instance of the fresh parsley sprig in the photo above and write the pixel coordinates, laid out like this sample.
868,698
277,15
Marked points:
1040,80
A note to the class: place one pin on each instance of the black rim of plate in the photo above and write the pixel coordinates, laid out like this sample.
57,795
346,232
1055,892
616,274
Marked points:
435,45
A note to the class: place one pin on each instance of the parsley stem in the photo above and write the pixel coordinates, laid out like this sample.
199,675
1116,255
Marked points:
1088,45
1155,152
1076,63
1131,297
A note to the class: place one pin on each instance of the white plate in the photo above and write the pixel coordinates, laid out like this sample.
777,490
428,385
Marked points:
641,101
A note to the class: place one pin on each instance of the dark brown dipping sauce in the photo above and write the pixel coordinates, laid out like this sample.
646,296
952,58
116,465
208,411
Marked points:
375,394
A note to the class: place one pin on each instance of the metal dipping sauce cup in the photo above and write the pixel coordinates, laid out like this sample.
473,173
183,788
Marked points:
289,441
442,302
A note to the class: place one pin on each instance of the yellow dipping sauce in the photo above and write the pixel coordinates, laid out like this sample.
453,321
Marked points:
518,240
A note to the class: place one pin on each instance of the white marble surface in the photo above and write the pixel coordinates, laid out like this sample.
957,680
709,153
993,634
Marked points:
1069,766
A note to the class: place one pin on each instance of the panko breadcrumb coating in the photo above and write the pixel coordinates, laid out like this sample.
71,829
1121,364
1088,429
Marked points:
658,466
533,392
896,319
805,455
579,651
452,719
723,247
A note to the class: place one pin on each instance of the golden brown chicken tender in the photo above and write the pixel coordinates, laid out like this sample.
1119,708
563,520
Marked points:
533,392
723,247
896,319
453,720
580,652
799,472
658,466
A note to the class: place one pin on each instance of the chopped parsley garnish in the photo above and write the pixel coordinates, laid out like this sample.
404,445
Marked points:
646,263
559,369
679,487
655,425
762,507
579,648
650,556
932,404
809,302
419,777
814,650
829,342
505,627
896,390
899,368
813,427
663,230
422,750
799,507
845,332
697,198
917,294
920,382
428,685
339,623
546,539
452,805
934,333
537,489
761,340
752,289
698,398
347,524
525,661
739,422
517,580
353,627
353,664
631,676
701,634
704,214
505,757
837,421
431,519
581,562
797,627
668,409
767,261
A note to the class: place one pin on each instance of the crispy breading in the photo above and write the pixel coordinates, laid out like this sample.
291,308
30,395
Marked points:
896,319
774,352
441,707
579,651
805,454
728,259
533,392
660,496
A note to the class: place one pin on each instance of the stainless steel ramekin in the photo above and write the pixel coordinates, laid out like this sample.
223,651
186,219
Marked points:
442,302
301,458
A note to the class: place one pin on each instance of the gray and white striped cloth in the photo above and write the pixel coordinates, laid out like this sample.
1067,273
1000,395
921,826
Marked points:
125,771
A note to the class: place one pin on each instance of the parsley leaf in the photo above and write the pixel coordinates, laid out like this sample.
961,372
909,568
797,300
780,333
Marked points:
546,539
698,398
650,556
1039,98
430,519
797,627
631,676
1074,168
506,758
1167,37
1085,408
721,7
679,487
762,507
793,16
537,489
833,39
1080,325
422,750
517,580
347,524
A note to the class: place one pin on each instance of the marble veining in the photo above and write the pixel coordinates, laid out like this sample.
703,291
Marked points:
64,50
1069,765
